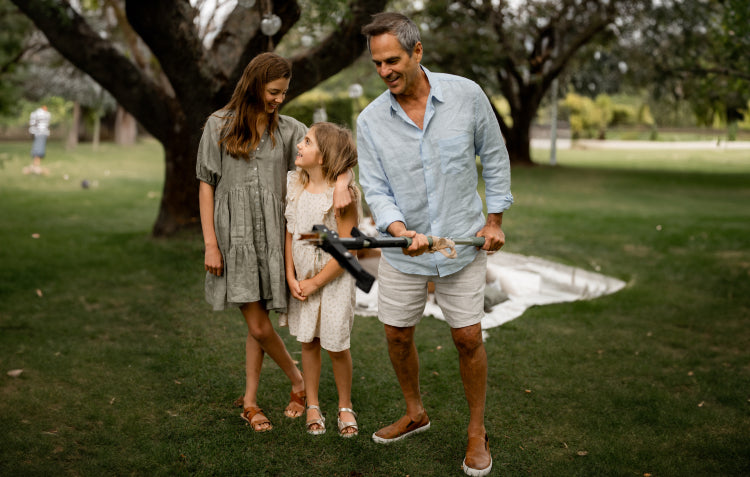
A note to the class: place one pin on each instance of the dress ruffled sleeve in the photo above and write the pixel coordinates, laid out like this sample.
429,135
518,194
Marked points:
293,190
293,132
208,163
328,207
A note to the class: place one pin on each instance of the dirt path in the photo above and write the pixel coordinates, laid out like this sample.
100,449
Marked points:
655,145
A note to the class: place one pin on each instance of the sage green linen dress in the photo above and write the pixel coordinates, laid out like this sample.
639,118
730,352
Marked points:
249,214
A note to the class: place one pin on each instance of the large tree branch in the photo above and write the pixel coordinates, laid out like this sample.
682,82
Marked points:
25,52
240,28
167,28
289,12
573,37
69,33
338,50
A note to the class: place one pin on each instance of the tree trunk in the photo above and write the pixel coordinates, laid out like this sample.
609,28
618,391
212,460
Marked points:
72,141
516,137
126,127
179,203
97,130
518,144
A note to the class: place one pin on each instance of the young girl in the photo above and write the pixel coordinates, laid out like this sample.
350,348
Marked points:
321,313
245,152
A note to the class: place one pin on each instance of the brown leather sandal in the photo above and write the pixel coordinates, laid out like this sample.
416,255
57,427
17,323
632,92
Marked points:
298,398
250,412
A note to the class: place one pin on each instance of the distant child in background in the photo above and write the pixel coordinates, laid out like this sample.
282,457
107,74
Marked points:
321,313
39,128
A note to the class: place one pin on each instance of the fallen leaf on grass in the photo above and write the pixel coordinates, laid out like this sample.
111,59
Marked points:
14,373
39,293
700,404
112,401
35,236
582,453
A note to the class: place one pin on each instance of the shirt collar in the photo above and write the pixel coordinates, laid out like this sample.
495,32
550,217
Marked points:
435,91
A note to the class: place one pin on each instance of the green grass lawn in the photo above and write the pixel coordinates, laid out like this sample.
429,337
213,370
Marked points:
126,371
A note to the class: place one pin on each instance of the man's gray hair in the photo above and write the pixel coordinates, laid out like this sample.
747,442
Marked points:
396,24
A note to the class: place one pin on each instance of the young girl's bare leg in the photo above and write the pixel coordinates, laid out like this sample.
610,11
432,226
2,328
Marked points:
341,362
311,364
262,332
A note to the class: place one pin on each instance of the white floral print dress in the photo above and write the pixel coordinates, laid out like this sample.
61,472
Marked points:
328,314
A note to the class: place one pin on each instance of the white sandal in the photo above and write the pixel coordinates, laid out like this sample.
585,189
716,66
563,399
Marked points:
345,425
321,422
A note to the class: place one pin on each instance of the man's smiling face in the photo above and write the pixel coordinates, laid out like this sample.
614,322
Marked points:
398,70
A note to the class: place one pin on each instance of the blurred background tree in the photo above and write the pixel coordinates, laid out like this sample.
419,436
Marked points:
517,49
150,56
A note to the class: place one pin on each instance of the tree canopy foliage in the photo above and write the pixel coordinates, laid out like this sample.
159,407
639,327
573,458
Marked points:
14,46
696,50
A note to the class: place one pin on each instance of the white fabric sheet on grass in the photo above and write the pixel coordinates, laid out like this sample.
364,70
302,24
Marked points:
527,281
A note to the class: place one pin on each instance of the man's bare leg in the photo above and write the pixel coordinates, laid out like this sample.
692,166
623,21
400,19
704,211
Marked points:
472,358
405,360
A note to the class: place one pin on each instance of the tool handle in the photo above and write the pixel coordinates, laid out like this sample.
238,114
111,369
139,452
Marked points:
405,242
360,241
409,240
474,241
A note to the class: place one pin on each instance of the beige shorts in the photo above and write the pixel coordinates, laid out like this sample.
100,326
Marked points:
402,296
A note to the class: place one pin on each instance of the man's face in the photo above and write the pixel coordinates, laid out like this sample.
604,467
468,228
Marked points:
399,71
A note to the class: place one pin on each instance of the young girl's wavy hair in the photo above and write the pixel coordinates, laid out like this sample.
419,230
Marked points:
240,135
337,147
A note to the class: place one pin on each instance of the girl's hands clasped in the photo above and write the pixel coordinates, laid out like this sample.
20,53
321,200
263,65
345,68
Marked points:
296,289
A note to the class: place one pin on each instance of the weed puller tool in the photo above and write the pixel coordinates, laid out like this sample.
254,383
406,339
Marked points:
329,241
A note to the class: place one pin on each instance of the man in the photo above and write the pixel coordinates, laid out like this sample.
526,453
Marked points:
417,146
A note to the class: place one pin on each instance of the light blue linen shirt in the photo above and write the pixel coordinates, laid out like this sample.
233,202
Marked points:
427,178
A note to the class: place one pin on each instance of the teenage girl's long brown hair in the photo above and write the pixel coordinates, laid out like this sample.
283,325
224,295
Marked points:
240,133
